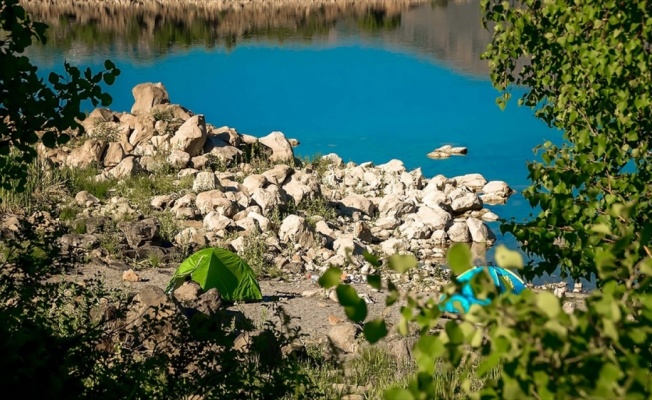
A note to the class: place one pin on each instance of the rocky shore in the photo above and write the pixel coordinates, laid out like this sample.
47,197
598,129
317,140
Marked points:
173,183
308,215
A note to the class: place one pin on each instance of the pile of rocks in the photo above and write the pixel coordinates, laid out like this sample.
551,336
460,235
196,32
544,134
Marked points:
377,208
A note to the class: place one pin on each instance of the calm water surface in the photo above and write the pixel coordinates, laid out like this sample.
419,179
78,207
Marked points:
369,85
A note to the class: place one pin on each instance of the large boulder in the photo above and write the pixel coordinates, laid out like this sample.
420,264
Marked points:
458,232
479,231
114,154
294,229
143,130
139,233
356,202
216,200
414,228
87,154
126,168
191,136
434,217
394,206
498,187
205,181
278,174
279,145
215,221
464,199
473,181
147,95
178,159
268,198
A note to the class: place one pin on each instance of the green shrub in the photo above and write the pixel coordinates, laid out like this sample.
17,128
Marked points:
527,346
83,179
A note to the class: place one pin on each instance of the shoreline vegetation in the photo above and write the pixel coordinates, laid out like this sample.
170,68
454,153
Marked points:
152,27
446,31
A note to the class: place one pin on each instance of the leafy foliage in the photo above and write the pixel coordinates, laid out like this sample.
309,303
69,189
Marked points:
32,111
587,69
527,346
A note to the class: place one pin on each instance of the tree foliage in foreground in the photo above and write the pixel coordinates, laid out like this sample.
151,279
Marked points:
587,69
525,346
32,111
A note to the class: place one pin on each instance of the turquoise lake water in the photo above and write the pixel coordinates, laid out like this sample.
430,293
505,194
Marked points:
366,97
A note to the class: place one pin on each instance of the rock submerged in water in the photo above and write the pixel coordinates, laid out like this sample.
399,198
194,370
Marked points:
447,151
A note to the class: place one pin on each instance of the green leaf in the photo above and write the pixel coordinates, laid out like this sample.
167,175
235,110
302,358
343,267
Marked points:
375,330
347,295
394,294
506,258
548,303
108,64
49,139
53,78
330,278
374,281
459,258
371,259
401,263
646,267
610,374
601,228
109,78
398,394
454,333
356,312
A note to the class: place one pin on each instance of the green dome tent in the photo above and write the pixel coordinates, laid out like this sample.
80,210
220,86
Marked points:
220,269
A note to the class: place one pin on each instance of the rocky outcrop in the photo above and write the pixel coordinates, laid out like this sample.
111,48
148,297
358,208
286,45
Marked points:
303,219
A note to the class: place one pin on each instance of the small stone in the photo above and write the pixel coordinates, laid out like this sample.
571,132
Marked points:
187,292
569,307
130,276
310,293
560,290
578,287
342,336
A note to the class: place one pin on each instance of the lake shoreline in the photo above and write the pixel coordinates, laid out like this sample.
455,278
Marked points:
221,4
